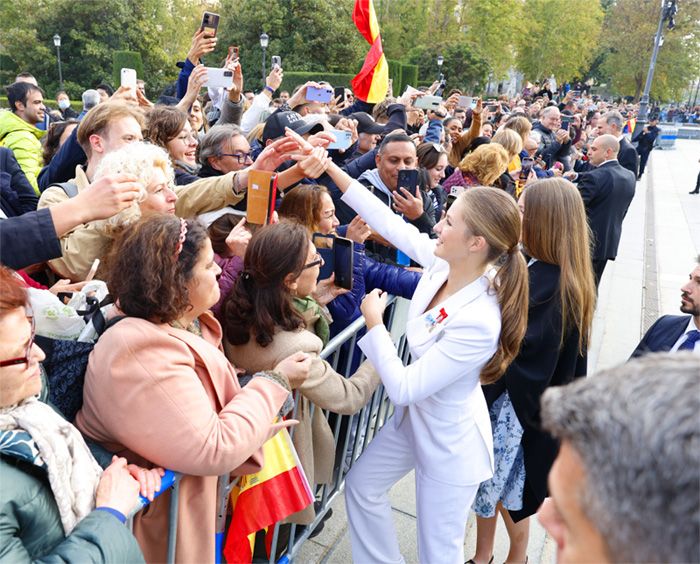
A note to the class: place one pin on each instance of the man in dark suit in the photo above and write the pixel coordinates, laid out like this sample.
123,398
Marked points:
645,143
677,332
611,123
607,190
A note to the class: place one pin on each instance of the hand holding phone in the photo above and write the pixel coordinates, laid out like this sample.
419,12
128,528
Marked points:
343,139
321,94
128,78
276,61
210,24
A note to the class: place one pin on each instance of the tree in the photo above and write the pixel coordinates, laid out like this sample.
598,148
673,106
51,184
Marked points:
628,35
560,37
462,68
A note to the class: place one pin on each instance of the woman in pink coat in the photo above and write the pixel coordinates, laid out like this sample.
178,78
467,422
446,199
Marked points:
158,389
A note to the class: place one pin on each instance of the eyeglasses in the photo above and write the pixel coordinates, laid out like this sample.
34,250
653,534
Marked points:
318,261
27,353
240,157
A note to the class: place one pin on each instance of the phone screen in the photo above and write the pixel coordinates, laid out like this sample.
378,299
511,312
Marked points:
233,52
276,61
343,263
527,164
339,92
325,247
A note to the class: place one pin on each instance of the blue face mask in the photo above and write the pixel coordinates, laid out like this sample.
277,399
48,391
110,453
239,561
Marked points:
64,104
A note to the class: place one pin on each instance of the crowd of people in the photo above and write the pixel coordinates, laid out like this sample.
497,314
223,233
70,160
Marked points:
217,324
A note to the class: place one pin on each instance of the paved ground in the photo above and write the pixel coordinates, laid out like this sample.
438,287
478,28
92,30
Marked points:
660,238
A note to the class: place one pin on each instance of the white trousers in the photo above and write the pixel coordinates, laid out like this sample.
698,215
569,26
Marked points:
442,509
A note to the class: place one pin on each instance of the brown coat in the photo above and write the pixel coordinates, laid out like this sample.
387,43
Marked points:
159,394
313,439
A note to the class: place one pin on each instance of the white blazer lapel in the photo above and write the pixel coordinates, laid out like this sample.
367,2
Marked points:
431,281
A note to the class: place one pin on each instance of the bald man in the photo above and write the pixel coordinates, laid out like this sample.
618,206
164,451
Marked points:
607,190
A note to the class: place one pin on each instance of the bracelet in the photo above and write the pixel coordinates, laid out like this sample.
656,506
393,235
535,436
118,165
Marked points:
271,90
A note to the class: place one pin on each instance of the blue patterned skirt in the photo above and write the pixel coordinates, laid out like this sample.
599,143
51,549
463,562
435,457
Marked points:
508,480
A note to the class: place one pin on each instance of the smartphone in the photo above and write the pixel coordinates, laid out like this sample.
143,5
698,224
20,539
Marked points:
219,78
262,192
408,179
566,122
493,108
450,200
233,52
325,245
343,139
210,23
323,95
128,78
576,93
465,102
276,61
343,262
93,270
526,167
428,102
339,92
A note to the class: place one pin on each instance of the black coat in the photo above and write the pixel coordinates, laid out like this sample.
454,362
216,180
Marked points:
16,194
662,335
607,191
645,140
627,157
28,239
541,363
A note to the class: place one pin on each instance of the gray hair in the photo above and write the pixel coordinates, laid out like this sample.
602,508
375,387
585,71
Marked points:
90,99
636,428
549,110
212,144
613,117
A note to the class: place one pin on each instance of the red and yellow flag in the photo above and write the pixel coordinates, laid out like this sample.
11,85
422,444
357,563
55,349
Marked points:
371,83
259,500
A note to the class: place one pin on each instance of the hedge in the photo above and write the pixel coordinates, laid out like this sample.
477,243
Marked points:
125,60
292,79
48,102
409,76
395,73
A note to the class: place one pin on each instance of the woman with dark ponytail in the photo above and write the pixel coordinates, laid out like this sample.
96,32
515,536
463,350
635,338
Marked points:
465,324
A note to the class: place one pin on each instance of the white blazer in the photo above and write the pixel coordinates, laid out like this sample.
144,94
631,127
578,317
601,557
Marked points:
439,393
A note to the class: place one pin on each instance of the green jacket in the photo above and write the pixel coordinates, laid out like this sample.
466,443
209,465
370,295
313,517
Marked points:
31,530
24,141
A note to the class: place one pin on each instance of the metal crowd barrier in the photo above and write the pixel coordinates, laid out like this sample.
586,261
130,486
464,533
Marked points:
359,432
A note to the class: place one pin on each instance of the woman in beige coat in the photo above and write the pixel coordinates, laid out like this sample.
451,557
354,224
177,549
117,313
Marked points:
158,389
268,316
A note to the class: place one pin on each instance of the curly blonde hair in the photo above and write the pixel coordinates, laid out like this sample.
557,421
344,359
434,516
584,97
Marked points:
139,159
486,162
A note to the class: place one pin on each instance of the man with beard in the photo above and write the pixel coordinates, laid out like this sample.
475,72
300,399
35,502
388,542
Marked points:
677,332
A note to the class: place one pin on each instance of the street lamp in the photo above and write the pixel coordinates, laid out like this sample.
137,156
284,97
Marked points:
57,44
264,42
668,13
440,60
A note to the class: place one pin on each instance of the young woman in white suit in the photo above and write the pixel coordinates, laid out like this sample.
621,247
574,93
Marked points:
464,328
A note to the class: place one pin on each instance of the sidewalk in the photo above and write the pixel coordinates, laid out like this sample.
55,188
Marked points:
660,239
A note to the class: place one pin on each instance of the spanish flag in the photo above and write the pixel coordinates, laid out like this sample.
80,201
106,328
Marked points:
371,83
259,500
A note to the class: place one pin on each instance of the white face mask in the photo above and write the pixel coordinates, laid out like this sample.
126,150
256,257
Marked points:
64,104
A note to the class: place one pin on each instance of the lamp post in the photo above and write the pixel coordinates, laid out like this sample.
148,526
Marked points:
668,13
440,60
264,42
57,44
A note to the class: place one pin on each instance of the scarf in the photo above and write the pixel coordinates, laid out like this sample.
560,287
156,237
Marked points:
33,431
315,317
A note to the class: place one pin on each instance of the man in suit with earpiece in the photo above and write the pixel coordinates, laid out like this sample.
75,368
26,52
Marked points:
677,332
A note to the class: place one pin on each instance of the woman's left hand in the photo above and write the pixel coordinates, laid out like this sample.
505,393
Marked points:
149,480
373,307
275,154
237,240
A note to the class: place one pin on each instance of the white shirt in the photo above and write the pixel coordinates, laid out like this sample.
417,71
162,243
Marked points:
691,327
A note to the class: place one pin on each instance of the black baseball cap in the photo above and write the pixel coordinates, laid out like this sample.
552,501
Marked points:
276,123
366,124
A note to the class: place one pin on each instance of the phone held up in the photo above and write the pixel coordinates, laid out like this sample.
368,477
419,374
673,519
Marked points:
276,61
210,24
337,255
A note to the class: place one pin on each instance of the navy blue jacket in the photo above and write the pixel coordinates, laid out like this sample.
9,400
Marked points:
16,194
62,166
662,335
28,239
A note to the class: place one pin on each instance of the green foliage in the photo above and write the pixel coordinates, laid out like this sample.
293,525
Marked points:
462,68
629,29
126,59
310,35
293,79
560,38
395,75
409,75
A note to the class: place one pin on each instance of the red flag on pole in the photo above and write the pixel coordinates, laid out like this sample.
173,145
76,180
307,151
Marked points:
371,83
